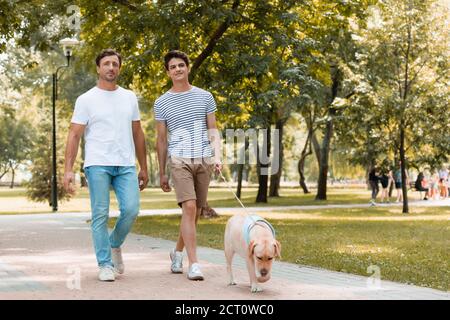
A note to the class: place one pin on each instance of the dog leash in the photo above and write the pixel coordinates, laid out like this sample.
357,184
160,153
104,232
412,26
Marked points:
237,198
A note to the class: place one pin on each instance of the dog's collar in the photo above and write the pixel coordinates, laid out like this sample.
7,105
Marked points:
251,221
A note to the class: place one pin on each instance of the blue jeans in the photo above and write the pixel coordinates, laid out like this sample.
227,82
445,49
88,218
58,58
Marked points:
126,187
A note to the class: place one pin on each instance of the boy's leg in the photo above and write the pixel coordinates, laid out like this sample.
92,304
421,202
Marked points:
188,230
183,180
192,210
99,181
180,243
126,187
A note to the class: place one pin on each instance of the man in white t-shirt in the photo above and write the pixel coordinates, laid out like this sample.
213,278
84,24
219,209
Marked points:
108,116
187,132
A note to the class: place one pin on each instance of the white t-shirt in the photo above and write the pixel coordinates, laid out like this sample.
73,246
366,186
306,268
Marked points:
108,117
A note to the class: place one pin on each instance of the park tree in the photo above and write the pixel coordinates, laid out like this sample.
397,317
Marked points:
39,187
403,86
335,51
33,24
27,89
16,139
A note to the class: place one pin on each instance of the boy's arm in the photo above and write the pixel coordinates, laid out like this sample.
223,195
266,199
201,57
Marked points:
215,139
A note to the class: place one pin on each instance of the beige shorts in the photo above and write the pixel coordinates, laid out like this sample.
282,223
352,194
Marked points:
190,178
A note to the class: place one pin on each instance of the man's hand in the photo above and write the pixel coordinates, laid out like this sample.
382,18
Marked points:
69,181
143,179
164,182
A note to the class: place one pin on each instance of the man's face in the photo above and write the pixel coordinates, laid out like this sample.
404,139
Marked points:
178,70
109,68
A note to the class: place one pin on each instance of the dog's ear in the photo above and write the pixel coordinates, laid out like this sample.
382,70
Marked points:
277,246
251,248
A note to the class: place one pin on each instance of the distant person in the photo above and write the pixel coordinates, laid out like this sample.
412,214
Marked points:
442,188
373,182
384,180
421,184
391,184
434,186
444,175
108,116
398,182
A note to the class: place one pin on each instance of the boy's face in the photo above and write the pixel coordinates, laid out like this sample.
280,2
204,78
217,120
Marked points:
178,70
109,68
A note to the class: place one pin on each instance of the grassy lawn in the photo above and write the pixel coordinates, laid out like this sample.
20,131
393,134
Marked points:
408,249
15,202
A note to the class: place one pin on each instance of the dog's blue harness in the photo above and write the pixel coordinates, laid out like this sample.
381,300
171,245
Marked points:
251,221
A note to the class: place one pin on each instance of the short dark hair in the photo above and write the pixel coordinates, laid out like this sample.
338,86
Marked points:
107,53
175,54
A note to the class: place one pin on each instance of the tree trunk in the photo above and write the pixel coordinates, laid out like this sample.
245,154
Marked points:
316,146
13,172
323,163
276,177
403,167
5,171
301,163
213,40
324,156
325,149
263,167
240,170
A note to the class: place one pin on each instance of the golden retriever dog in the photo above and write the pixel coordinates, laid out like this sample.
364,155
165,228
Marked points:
253,238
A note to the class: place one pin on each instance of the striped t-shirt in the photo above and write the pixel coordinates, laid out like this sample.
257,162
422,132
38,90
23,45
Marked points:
185,116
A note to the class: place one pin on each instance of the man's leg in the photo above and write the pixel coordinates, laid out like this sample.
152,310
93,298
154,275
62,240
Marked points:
99,181
126,187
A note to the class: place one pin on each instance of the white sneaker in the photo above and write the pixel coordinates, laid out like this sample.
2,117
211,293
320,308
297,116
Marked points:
106,274
116,257
177,261
195,273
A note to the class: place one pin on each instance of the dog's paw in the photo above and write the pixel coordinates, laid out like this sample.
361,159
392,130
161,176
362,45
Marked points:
256,289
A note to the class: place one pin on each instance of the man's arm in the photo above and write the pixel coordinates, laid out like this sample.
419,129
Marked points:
215,139
161,150
141,153
73,141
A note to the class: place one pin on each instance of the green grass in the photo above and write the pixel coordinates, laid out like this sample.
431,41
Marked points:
14,201
222,197
408,251
370,212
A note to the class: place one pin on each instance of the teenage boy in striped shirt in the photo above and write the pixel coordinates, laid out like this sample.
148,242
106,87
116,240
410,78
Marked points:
186,114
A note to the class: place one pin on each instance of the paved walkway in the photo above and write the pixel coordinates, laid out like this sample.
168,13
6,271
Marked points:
50,256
